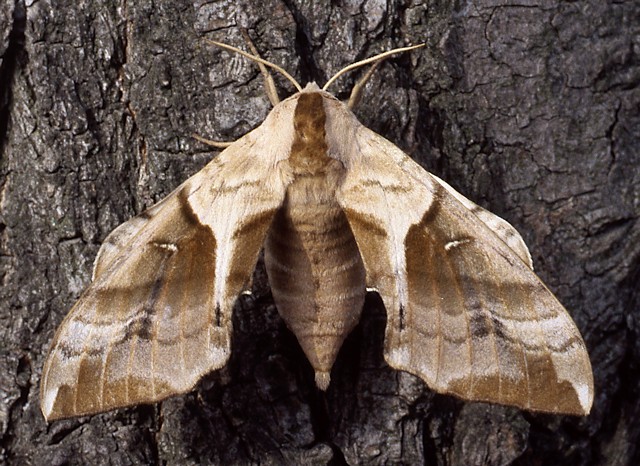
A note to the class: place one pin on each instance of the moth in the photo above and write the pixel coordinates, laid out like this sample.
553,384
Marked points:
338,209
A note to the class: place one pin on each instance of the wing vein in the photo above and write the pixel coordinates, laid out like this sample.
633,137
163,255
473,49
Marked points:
517,341
460,289
83,355
103,375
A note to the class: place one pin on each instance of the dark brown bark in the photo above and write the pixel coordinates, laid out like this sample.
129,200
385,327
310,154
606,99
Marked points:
529,108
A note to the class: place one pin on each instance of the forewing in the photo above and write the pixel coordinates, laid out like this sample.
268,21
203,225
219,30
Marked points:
465,311
503,229
158,314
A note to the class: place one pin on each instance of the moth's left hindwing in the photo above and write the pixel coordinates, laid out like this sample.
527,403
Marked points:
157,316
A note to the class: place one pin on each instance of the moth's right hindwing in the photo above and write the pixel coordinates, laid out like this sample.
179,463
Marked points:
157,316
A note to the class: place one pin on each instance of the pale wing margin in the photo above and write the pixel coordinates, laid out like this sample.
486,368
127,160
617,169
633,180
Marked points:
157,316
465,311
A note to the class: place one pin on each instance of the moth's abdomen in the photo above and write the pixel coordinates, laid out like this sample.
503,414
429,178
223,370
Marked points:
316,274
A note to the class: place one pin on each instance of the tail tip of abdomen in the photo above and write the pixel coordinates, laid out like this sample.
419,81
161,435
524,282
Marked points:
322,380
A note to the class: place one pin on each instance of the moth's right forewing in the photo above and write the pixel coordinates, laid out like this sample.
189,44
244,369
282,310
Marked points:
124,234
503,229
158,315
465,312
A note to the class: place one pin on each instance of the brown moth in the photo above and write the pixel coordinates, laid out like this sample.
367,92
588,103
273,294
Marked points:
337,208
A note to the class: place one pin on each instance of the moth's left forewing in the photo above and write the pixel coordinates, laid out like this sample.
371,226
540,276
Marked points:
240,205
465,312
157,316
146,327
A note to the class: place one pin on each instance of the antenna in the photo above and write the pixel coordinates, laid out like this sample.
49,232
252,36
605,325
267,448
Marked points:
257,60
376,58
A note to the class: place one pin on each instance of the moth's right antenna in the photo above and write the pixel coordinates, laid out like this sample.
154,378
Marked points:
355,93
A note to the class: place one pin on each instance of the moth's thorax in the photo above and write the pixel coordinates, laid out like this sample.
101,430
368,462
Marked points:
309,148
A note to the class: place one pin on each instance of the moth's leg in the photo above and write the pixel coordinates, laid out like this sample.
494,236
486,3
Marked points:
269,83
211,142
356,92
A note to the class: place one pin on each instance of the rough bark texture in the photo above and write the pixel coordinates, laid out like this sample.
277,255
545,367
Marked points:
530,108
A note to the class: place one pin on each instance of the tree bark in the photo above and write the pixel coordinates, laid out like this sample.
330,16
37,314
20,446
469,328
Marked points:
529,108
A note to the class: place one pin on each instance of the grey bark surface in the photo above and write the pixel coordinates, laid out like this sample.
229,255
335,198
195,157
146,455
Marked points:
531,109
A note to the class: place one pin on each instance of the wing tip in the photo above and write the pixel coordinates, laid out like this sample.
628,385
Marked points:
47,401
584,392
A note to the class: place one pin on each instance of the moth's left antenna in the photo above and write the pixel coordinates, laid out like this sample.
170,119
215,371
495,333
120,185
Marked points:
257,59
269,84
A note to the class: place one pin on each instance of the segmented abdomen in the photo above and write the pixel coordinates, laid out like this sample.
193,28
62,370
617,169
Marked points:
316,273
